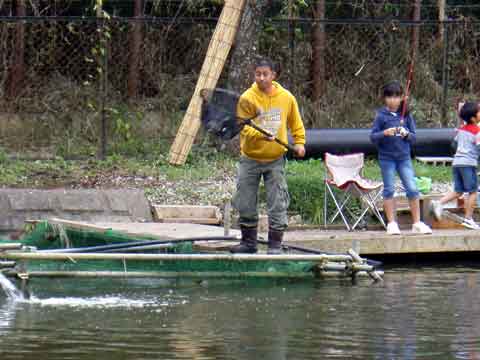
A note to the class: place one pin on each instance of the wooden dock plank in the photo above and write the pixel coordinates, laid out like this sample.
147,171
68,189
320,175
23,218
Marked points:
169,230
379,243
369,242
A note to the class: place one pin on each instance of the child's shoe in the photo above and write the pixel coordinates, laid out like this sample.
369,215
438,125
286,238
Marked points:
393,229
421,228
437,209
470,224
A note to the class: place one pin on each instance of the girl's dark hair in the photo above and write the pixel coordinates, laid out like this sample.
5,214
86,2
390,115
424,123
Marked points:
392,88
468,111
265,62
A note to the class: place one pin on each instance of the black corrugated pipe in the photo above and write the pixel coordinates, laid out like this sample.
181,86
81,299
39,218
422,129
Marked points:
430,142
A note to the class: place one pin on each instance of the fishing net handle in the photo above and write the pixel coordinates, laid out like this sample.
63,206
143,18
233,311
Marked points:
250,123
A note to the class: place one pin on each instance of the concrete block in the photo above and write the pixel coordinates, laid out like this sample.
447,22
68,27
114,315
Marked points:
18,205
135,201
32,200
187,213
81,201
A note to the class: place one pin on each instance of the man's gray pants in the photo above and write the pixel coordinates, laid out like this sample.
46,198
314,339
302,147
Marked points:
245,200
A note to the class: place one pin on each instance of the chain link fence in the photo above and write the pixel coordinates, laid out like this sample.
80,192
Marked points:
88,86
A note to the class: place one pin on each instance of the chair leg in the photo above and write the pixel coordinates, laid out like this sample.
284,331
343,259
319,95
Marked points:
370,202
344,200
338,208
363,200
373,200
325,205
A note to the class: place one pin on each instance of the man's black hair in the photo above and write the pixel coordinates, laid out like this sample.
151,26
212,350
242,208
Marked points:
265,62
392,88
469,110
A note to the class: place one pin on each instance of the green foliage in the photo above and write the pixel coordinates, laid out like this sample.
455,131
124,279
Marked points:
305,185
307,192
125,123
3,156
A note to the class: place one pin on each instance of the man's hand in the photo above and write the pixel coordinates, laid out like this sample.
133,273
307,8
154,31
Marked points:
390,131
299,150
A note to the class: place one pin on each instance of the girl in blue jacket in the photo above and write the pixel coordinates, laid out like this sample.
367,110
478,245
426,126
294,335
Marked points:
393,135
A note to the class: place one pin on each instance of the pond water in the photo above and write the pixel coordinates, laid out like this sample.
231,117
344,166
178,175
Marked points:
423,313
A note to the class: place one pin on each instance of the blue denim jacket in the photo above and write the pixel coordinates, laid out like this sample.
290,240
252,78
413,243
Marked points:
392,147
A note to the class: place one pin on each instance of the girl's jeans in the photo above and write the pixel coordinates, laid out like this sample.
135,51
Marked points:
405,170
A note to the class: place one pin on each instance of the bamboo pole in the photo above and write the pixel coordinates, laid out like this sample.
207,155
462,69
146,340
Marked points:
358,260
183,274
218,49
333,266
10,246
164,274
170,257
337,274
7,264
78,225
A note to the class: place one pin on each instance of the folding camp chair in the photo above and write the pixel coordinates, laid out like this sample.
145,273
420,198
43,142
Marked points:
344,172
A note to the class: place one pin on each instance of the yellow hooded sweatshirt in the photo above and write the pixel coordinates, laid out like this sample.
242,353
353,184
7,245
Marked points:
281,104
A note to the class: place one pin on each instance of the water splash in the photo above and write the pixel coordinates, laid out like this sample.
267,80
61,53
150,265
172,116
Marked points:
93,302
10,290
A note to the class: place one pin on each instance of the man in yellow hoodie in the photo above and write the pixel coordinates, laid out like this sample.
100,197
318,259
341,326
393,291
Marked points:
261,157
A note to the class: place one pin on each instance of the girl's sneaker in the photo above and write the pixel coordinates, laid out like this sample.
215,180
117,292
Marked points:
470,224
437,210
393,229
421,228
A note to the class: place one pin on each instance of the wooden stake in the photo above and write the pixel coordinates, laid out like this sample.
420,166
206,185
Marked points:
227,218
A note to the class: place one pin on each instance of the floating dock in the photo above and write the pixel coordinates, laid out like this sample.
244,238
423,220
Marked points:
335,241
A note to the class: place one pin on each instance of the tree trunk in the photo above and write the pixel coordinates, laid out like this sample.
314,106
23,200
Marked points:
319,41
246,45
417,6
134,53
17,71
441,17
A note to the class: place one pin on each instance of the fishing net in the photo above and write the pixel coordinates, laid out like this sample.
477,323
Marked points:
47,236
225,113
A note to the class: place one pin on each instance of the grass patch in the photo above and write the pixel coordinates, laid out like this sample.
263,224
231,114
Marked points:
206,178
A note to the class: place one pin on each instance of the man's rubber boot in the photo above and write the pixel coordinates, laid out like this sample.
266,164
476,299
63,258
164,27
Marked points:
248,244
275,238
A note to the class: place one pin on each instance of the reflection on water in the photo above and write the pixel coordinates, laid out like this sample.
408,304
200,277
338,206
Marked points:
427,313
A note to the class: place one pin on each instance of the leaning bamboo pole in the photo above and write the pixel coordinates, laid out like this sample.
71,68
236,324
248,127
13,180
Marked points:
218,49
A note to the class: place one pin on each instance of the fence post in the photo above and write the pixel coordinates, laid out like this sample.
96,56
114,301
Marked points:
445,73
17,70
102,64
103,150
291,44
